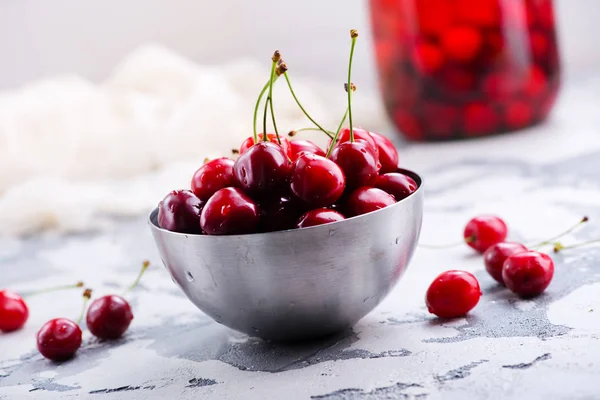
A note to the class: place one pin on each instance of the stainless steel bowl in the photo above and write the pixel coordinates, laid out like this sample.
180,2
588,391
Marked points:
296,284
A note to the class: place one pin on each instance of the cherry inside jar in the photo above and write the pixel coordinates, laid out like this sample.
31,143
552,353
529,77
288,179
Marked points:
451,69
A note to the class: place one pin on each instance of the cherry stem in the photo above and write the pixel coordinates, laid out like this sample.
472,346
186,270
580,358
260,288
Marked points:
446,246
145,266
287,78
558,247
265,136
353,35
293,133
276,57
54,289
337,133
257,106
87,294
553,239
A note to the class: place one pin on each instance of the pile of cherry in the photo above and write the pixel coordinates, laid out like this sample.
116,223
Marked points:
523,270
278,184
107,318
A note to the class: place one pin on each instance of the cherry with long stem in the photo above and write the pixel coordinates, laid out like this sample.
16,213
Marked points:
319,127
353,35
53,289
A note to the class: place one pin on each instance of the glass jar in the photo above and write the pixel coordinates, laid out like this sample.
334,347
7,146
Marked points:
451,69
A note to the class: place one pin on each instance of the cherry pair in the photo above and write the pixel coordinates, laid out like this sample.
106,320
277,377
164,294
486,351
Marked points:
107,318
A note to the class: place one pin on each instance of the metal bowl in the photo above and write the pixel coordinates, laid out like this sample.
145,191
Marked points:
296,284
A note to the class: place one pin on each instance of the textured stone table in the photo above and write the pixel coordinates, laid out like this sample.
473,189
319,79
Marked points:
541,181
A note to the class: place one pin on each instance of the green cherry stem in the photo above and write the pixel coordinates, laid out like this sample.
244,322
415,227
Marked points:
553,239
275,59
337,132
558,247
353,35
53,289
87,294
257,106
145,266
289,83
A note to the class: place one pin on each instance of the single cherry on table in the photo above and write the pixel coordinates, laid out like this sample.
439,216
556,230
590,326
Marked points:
453,294
59,339
495,256
485,231
13,311
528,273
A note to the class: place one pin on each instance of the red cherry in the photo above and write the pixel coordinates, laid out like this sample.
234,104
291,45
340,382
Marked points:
495,256
453,294
408,125
485,231
479,13
109,317
540,45
428,58
480,119
180,211
500,85
398,185
285,144
528,273
536,82
388,155
13,311
212,176
441,120
462,43
518,114
366,199
434,16
299,147
319,216
359,134
262,169
59,339
280,214
230,211
357,161
457,81
317,181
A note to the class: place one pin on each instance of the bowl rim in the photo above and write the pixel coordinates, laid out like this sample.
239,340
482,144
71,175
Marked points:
420,182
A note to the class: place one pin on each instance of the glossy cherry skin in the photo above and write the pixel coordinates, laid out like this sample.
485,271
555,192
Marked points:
280,214
495,256
388,155
319,216
180,211
358,162
59,339
485,231
453,294
109,317
360,135
367,199
262,169
528,273
398,185
298,147
212,176
13,311
229,212
317,181
285,144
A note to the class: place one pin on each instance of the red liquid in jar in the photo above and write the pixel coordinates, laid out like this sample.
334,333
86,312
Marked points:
451,69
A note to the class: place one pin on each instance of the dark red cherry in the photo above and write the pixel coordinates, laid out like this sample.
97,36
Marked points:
280,214
180,211
319,216
398,185
285,144
317,181
366,199
388,155
230,211
528,273
212,176
298,147
262,170
109,317
59,339
359,134
13,311
495,256
358,162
